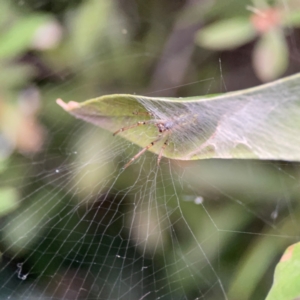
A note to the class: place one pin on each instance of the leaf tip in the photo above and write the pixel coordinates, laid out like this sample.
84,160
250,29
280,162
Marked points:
67,106
288,253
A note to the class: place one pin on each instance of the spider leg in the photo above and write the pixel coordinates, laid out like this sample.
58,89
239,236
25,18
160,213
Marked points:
131,126
140,113
142,151
162,151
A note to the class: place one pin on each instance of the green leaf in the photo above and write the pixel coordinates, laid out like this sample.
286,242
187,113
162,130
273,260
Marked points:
292,19
287,276
227,34
18,38
260,123
270,57
9,200
88,26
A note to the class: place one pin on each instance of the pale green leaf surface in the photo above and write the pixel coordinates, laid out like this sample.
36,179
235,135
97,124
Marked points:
227,34
259,123
287,276
270,57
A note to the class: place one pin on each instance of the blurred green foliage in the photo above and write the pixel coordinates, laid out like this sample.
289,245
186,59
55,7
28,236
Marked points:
69,229
269,23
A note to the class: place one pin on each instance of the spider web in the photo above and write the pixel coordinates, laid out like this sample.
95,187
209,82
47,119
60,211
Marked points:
91,231
87,229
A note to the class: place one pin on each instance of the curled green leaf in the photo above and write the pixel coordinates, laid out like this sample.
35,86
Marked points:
259,123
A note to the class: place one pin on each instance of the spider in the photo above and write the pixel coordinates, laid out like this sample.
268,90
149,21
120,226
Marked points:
163,128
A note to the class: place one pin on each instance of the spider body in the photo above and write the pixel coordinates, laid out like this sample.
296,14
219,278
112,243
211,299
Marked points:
163,128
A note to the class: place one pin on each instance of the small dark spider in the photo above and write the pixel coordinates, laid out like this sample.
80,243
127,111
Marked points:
163,128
